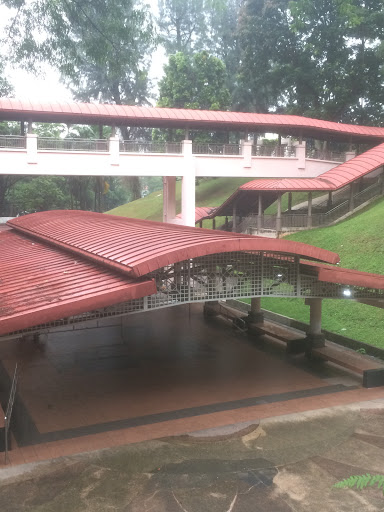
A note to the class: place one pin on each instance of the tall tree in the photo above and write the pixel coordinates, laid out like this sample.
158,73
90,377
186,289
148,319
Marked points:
100,47
322,59
182,25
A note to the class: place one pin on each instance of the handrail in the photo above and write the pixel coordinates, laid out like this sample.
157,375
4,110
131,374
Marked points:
12,141
133,146
53,144
208,148
277,151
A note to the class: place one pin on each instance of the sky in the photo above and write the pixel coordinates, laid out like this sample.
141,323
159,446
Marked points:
47,87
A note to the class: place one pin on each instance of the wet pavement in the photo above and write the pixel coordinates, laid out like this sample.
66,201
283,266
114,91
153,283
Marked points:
188,415
284,464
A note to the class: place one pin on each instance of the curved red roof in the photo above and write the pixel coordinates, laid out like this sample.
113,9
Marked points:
15,110
201,213
335,178
40,284
138,247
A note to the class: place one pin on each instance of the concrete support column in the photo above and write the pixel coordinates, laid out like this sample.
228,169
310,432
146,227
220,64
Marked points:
114,150
330,200
246,151
278,217
315,336
169,198
309,219
213,223
300,155
31,145
289,202
188,186
349,155
234,219
351,199
255,315
260,213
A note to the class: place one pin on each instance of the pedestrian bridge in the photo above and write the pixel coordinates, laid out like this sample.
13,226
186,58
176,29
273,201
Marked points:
41,155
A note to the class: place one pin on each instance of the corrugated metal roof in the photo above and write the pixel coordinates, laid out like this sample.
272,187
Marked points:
333,179
140,246
201,213
40,283
13,109
347,276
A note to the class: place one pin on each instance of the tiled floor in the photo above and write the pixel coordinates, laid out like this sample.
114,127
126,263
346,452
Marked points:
175,373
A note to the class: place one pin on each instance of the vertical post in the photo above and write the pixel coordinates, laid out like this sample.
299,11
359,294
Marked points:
22,128
114,149
246,151
169,198
260,213
278,217
226,223
255,315
188,186
351,198
290,202
349,155
234,214
330,200
300,154
31,145
309,218
315,336
214,223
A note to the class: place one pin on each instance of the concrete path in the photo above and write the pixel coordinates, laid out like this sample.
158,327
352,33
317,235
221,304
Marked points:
285,464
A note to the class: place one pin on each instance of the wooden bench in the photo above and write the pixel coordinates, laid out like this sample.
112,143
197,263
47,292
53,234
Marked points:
295,341
371,369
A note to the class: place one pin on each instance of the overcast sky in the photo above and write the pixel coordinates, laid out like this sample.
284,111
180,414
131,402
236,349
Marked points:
48,87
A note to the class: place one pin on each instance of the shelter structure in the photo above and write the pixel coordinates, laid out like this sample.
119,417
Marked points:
346,187
79,266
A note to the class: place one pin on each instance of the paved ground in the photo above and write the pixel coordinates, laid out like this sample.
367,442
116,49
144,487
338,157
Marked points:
269,434
280,465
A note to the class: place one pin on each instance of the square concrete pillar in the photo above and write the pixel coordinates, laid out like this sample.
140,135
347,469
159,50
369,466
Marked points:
31,142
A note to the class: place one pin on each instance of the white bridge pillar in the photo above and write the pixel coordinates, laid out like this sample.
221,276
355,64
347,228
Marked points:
188,186
169,198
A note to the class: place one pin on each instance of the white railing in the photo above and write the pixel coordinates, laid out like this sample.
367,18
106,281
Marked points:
205,148
12,142
91,145
132,146
277,151
332,156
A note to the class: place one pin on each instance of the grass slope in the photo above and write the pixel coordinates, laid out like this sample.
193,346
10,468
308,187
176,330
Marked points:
210,192
359,241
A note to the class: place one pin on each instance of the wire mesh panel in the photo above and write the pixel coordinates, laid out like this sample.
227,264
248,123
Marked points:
224,276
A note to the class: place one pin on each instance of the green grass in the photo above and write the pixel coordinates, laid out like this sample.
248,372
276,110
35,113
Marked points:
359,241
209,192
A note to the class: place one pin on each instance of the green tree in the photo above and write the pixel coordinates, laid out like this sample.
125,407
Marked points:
196,82
322,59
100,47
182,25
39,194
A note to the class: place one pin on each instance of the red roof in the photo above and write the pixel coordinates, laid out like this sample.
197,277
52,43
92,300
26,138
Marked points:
335,178
15,110
201,213
62,263
347,276
40,283
138,247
